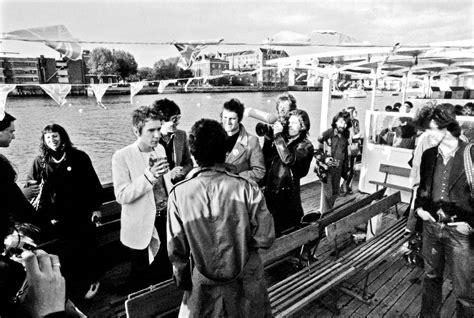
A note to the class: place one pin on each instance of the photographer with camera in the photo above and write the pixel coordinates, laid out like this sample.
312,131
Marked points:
46,287
288,162
332,157
285,103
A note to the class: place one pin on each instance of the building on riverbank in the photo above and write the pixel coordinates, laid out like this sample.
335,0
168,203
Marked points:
256,60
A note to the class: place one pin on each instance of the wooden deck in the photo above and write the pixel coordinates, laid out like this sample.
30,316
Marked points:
395,284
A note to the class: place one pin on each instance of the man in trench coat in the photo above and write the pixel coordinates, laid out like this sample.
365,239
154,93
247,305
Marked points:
217,221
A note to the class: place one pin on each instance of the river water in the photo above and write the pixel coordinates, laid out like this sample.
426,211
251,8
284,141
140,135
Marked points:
101,132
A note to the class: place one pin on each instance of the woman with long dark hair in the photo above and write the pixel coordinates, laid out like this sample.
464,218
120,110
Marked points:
70,193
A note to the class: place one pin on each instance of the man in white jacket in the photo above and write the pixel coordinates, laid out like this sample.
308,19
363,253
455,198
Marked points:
138,175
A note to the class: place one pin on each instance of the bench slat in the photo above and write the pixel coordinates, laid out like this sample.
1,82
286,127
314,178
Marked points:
394,170
348,223
285,244
337,215
110,209
392,186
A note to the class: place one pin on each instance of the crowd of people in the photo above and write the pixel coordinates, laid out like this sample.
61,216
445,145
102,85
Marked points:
198,207
401,132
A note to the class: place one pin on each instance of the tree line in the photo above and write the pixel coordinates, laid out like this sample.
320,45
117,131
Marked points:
103,61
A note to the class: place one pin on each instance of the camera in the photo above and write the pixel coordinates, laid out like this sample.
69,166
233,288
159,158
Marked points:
12,274
22,239
262,129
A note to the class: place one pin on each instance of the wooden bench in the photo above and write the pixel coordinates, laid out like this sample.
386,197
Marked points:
156,300
392,171
308,284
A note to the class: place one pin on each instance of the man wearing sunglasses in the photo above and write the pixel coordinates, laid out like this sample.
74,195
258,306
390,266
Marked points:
173,139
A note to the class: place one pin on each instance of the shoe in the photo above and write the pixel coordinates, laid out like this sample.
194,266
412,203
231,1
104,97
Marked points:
93,289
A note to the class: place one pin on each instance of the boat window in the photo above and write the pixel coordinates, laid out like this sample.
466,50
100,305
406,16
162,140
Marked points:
391,129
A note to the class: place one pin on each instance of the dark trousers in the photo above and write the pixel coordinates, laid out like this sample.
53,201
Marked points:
350,173
447,245
81,263
331,188
143,273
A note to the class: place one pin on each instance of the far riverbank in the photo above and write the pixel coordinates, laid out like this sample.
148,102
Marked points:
35,91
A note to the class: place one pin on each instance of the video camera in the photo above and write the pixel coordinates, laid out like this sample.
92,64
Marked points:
265,128
324,162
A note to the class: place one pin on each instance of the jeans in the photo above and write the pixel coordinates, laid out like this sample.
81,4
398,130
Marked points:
447,245
331,188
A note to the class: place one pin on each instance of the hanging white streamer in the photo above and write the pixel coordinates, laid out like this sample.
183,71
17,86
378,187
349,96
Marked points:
58,92
163,84
134,89
99,91
187,84
4,90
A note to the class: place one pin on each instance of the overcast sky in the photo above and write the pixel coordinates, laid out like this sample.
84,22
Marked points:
379,22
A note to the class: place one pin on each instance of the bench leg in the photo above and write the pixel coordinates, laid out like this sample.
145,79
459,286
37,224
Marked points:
365,298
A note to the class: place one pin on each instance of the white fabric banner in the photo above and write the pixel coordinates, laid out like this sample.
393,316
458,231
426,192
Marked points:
4,90
134,89
163,84
58,92
187,84
56,37
99,91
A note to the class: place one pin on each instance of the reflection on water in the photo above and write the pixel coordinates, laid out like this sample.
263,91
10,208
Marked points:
101,132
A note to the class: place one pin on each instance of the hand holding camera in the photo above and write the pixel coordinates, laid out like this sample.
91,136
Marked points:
46,286
277,128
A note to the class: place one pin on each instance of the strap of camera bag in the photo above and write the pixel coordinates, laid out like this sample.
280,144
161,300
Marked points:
468,167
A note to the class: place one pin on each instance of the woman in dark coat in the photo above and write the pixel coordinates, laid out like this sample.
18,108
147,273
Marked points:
287,161
70,193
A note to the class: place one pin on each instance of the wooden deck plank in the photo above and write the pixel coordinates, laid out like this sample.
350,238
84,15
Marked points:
398,308
393,297
384,287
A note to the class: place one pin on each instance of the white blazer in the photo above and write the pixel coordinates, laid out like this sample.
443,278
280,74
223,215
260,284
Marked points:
135,193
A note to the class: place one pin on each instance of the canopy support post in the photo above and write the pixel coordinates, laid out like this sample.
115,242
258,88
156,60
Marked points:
325,104
374,88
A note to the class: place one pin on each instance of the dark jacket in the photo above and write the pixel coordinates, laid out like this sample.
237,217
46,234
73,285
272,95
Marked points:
459,194
182,156
286,165
14,207
72,191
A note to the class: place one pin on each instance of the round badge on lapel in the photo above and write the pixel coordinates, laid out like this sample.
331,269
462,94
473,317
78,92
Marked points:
235,152
69,168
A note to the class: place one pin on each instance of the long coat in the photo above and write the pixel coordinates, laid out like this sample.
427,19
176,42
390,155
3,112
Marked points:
216,222
246,158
